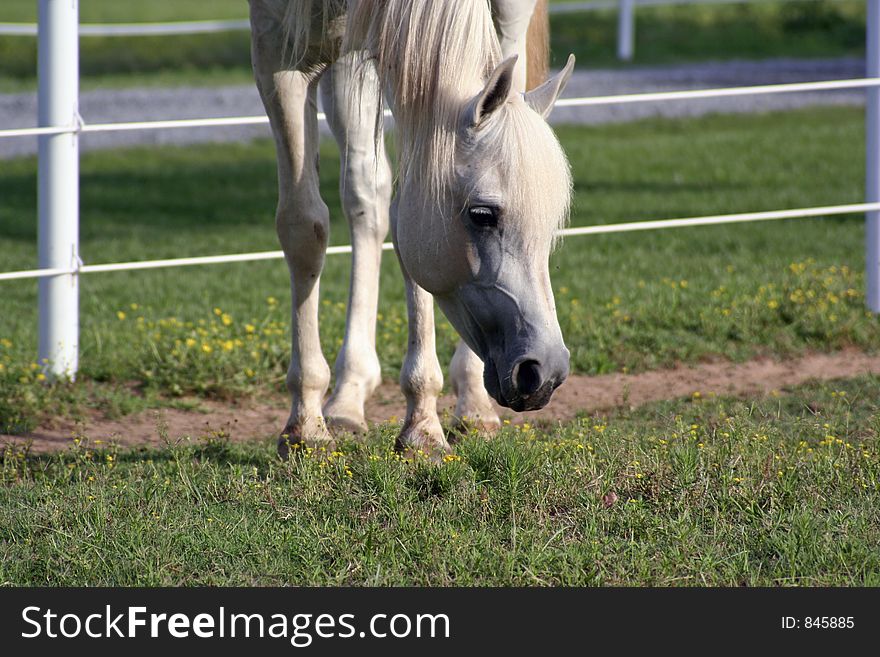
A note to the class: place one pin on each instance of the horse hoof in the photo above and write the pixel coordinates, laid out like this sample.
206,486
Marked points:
423,439
292,441
340,424
484,427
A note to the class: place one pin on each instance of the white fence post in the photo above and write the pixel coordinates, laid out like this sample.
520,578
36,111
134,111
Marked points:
872,159
58,196
626,29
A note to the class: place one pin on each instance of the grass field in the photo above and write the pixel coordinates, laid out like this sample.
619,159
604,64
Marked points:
701,491
782,490
626,302
664,35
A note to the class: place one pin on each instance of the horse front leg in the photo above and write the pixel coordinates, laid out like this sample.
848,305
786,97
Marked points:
365,187
473,407
302,222
303,226
421,378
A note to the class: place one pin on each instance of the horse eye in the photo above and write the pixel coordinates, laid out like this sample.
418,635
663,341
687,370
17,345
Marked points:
483,216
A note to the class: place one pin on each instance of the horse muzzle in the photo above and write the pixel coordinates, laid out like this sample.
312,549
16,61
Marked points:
528,383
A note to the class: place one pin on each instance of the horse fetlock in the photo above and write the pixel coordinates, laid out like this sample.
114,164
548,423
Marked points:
358,367
308,382
422,436
356,380
421,383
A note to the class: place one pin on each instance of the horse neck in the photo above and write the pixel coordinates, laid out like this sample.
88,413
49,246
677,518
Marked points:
417,116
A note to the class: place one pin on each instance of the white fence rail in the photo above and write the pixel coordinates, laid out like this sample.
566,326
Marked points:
60,127
79,126
600,229
135,29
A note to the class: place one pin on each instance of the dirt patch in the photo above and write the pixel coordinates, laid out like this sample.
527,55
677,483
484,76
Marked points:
252,419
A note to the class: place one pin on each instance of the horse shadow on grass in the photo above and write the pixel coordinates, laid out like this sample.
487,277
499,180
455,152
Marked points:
218,450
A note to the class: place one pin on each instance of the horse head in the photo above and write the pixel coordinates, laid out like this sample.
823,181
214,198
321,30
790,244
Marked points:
481,245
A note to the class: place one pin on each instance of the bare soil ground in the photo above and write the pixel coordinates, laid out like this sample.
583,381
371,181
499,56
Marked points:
256,419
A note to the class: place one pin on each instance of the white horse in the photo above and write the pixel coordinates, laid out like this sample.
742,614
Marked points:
483,185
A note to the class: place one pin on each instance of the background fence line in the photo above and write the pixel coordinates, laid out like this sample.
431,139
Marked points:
596,229
136,29
81,127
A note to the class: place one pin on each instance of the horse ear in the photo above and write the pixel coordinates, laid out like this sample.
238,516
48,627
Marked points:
496,92
542,98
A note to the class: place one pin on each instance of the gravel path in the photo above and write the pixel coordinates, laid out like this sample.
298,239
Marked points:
101,106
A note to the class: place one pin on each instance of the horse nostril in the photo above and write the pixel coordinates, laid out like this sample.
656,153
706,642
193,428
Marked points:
528,377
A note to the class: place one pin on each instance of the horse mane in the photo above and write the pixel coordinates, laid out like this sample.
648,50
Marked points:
299,18
433,56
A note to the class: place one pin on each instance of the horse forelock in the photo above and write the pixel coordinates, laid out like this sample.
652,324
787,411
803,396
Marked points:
535,174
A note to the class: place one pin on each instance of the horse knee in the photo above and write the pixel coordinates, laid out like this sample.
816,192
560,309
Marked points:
366,195
303,230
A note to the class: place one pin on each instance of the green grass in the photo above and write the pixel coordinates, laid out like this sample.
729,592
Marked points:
626,302
700,491
687,33
113,11
664,35
205,59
